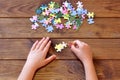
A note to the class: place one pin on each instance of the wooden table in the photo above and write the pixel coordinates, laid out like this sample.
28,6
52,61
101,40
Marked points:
16,39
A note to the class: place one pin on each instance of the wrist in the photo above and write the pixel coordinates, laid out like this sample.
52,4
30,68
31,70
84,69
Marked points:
27,72
89,61
30,66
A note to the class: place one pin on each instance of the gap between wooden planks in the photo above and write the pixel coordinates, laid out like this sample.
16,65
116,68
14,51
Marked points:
19,48
26,8
62,70
21,28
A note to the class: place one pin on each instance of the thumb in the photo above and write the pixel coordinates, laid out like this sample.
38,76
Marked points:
73,48
51,58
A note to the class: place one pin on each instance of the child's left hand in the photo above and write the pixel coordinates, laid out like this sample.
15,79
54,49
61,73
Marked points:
36,58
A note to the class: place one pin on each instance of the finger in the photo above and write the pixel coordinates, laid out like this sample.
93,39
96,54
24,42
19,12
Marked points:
51,58
44,43
47,48
85,44
78,43
73,48
40,42
81,44
34,45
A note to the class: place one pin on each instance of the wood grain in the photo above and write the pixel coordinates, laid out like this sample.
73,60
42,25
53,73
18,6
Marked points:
26,8
21,28
62,70
19,48
16,39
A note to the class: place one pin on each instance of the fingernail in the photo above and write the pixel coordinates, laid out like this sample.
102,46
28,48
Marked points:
70,44
47,37
54,55
36,40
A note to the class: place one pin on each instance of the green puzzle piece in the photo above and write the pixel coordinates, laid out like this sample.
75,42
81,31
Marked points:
72,18
59,15
40,17
78,22
56,5
51,4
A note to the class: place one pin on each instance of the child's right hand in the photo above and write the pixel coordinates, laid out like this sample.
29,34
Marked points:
82,51
37,56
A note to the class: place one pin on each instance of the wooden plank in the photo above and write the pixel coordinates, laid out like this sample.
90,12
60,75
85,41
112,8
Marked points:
62,70
26,8
21,28
108,69
19,48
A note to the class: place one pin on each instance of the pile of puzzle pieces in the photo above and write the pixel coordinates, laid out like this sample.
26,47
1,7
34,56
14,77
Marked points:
51,15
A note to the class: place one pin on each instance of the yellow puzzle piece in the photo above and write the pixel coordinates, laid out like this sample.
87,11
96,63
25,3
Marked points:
60,46
90,14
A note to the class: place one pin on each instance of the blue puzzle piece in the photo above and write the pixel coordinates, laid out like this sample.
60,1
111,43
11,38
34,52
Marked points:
42,21
49,29
38,11
70,7
43,6
53,22
52,10
90,21
44,25
84,11
74,13
79,11
57,10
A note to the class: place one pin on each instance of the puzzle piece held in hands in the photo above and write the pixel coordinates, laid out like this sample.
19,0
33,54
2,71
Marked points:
59,47
64,44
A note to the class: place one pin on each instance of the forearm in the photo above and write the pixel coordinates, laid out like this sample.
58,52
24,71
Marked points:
27,73
90,72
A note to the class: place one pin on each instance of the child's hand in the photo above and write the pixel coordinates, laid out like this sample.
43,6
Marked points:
82,51
36,58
